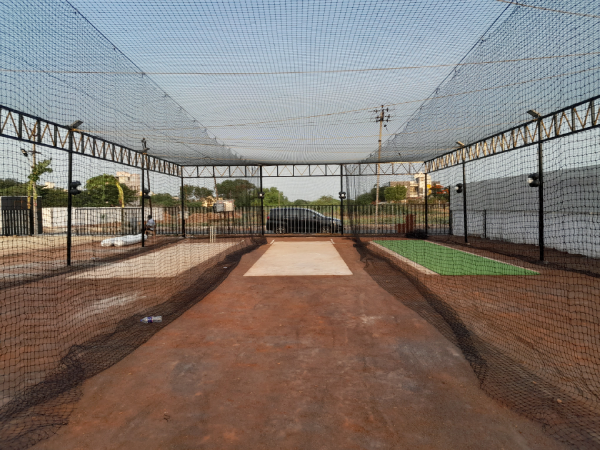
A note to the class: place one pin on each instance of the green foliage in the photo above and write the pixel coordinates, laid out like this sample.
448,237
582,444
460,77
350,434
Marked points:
240,190
53,197
195,194
200,192
367,198
188,193
38,170
326,200
273,197
395,194
34,176
439,193
102,190
12,188
165,200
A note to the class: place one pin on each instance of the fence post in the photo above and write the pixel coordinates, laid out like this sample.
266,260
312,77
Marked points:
69,197
485,223
341,199
262,219
142,201
540,191
464,189
31,218
426,209
182,209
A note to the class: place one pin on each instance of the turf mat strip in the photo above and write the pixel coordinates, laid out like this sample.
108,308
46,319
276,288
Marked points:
449,261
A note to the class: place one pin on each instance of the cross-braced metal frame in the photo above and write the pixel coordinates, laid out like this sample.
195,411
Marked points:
35,130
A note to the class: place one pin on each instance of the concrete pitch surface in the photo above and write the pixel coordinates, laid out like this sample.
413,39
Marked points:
168,262
295,363
299,259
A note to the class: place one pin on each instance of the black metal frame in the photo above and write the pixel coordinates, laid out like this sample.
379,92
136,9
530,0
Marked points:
522,135
35,130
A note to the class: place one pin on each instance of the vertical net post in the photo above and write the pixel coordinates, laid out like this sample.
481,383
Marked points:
182,209
540,190
464,192
142,200
342,197
426,208
69,197
262,219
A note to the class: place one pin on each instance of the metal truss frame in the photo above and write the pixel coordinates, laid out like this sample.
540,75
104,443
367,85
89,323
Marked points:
573,119
27,128
303,170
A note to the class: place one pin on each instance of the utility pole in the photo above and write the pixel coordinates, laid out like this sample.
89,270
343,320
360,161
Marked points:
381,118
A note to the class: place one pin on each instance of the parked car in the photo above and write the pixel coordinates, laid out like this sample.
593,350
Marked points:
300,220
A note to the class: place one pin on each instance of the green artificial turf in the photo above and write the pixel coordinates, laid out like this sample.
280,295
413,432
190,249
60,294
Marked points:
449,261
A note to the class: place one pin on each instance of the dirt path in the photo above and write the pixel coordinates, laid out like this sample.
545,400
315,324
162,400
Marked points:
313,362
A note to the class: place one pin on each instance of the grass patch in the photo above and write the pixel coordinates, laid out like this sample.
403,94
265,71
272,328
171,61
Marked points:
449,261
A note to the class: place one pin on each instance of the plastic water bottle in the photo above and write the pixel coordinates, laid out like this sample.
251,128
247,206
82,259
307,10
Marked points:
151,319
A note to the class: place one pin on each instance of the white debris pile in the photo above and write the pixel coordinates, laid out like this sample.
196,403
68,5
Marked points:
121,241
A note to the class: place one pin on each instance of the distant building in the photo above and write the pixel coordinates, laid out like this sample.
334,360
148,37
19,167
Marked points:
226,205
415,189
208,202
49,185
131,180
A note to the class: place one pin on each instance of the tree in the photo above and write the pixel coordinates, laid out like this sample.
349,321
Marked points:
200,192
188,193
273,197
36,172
165,200
326,200
102,190
439,192
395,194
50,197
53,197
301,202
240,190
11,187
368,198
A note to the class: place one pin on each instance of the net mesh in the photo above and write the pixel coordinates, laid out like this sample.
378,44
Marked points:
216,83
65,323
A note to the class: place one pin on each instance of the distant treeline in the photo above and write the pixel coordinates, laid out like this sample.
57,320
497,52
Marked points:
105,190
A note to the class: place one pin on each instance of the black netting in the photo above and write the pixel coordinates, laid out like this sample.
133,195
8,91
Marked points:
70,312
222,92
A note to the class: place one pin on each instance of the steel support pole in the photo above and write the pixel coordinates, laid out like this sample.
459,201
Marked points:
262,211
182,209
426,208
341,199
143,231
464,189
69,198
540,191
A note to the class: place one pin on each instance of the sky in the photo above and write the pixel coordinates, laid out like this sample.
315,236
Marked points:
295,80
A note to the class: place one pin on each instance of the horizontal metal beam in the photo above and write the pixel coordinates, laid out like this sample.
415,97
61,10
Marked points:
573,119
35,130
302,170
27,128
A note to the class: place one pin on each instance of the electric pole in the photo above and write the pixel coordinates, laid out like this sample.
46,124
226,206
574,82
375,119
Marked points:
380,117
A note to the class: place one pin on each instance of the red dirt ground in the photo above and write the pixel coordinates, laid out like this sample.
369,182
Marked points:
319,362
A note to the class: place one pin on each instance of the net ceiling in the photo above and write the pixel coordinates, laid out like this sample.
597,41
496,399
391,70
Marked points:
296,81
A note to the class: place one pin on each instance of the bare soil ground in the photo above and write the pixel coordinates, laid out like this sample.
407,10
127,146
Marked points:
546,324
311,362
